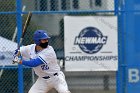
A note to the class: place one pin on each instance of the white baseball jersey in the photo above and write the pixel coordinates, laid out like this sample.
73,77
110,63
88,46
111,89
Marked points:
49,68
47,56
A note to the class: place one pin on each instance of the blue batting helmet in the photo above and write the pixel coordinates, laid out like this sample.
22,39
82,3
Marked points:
38,35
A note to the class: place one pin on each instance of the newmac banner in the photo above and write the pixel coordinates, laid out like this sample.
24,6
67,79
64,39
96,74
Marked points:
90,43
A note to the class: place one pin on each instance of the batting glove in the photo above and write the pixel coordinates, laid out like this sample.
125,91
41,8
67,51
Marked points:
17,59
16,53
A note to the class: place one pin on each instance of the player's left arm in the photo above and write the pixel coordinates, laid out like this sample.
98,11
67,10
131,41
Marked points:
41,59
32,62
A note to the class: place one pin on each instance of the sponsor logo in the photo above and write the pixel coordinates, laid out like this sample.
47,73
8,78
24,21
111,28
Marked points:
90,40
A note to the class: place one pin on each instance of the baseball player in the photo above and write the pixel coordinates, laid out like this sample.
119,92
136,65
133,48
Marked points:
42,58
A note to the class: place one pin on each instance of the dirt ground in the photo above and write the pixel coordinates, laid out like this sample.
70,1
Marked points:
88,91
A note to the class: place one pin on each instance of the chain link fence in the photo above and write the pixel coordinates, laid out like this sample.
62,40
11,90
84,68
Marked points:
48,15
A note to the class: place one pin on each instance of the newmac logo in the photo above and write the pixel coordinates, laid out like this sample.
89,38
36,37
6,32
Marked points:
90,40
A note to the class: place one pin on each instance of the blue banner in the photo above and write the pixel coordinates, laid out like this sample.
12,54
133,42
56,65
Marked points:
132,47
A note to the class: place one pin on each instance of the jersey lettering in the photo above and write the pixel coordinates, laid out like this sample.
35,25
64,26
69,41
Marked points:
45,67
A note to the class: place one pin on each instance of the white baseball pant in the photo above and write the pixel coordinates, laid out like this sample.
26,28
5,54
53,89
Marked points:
44,85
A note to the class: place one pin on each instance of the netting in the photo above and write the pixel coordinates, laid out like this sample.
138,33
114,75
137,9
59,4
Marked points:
49,15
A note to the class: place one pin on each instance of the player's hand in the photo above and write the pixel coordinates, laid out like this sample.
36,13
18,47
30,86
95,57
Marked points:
16,59
16,53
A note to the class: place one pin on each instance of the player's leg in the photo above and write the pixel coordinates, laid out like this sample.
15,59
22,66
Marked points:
40,86
61,84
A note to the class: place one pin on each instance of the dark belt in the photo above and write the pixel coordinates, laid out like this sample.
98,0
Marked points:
47,77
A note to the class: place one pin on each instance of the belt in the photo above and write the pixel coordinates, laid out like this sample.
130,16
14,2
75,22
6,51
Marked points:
47,77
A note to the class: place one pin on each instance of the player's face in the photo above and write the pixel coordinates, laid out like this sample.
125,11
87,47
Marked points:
44,40
43,43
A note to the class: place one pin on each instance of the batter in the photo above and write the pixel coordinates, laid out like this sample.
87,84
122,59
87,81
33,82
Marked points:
42,58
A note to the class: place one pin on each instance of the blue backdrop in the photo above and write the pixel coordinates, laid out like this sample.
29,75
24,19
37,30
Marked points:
129,40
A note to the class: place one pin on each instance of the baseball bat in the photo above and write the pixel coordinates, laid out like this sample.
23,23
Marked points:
24,30
21,39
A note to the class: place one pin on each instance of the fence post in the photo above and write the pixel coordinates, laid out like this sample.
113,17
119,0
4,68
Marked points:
106,82
19,32
116,5
120,78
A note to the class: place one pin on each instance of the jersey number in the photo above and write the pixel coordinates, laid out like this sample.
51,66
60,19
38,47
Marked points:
44,67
